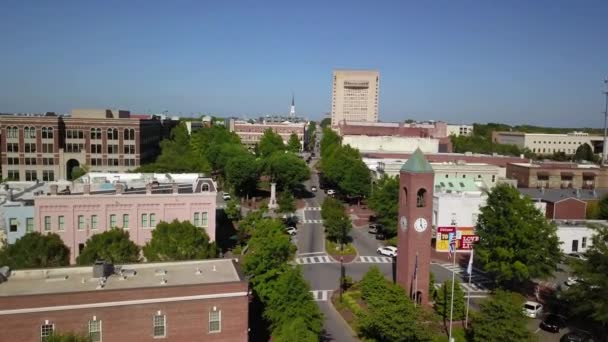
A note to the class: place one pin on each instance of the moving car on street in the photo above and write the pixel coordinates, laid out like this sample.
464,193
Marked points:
226,196
388,251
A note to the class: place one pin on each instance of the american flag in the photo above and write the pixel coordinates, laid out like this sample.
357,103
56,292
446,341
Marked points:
452,248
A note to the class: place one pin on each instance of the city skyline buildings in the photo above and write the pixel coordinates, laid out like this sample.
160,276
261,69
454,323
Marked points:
520,63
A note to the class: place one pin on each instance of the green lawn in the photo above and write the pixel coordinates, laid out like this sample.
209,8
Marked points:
334,248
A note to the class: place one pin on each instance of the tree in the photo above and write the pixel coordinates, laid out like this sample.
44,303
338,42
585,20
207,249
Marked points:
384,201
296,330
178,241
233,211
68,337
509,247
325,122
356,179
443,300
585,152
337,223
270,143
35,250
500,319
286,202
242,174
603,208
287,170
589,296
293,144
310,136
113,245
80,171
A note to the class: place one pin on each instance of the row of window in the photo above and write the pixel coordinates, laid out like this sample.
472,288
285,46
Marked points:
558,142
47,133
148,220
550,150
70,147
112,133
159,326
13,224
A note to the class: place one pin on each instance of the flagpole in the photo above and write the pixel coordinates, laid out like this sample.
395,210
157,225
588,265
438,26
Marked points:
470,271
453,280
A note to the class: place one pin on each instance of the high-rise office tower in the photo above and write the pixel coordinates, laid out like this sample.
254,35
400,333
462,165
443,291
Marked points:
355,96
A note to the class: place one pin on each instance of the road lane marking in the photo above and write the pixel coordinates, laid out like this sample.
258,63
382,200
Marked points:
316,259
374,259
320,295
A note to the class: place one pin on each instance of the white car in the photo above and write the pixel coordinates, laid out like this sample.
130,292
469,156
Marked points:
226,196
571,281
388,251
331,192
532,309
291,231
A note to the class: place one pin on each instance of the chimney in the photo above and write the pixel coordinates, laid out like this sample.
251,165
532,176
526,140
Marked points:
119,189
174,188
148,188
54,188
87,189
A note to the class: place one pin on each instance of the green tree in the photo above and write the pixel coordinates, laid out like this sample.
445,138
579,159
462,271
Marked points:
178,241
384,201
325,122
443,300
113,245
373,282
68,337
310,136
80,171
233,210
337,223
35,250
432,289
509,248
293,144
356,181
270,143
585,152
330,141
286,202
603,208
500,319
242,174
287,170
296,330
589,296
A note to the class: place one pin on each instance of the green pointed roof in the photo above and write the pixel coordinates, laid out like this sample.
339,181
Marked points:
417,163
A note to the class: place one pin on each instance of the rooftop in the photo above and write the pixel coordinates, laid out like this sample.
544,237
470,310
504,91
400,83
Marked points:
417,163
557,165
555,195
456,185
145,275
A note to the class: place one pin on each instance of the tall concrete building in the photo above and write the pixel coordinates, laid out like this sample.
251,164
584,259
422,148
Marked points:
355,96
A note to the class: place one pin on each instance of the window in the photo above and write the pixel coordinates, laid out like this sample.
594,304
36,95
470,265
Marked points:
215,321
96,161
205,187
125,221
152,220
30,147
29,133
29,224
421,198
13,224
95,330
584,242
74,134
493,178
12,161
30,161
144,220
12,147
47,148
95,133
47,132
129,134
48,176
47,223
93,221
112,149
129,149
12,132
204,219
112,220
80,222
46,330
196,220
61,222
96,148
159,325
112,134
30,175
112,162
13,175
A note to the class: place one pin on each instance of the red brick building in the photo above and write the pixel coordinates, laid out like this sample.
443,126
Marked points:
49,147
556,175
202,300
567,209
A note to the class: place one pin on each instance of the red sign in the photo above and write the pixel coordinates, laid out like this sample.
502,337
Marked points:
467,241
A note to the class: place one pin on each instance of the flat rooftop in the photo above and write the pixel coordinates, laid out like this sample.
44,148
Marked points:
145,275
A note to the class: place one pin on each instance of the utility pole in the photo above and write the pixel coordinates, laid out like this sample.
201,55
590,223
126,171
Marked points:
605,147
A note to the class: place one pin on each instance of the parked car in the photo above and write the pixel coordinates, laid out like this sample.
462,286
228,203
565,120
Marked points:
291,231
375,228
388,251
571,281
313,188
577,336
226,196
577,255
331,192
553,323
532,309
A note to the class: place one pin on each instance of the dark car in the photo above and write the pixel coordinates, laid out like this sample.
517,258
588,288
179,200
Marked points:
577,336
553,323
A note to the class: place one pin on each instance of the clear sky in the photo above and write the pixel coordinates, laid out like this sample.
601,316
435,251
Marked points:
537,62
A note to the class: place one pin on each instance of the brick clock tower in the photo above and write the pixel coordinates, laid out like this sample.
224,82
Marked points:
416,183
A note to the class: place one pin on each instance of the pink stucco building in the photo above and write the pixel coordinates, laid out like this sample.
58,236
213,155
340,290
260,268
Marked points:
77,216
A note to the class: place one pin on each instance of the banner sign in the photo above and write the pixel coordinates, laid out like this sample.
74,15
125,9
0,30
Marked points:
468,241
465,238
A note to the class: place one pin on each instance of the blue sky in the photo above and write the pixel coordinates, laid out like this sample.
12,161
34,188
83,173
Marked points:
537,62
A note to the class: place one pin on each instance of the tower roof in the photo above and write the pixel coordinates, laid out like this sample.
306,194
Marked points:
417,163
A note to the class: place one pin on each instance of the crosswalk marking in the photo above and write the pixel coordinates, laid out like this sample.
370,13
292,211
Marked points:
466,287
319,259
312,208
312,221
320,295
374,259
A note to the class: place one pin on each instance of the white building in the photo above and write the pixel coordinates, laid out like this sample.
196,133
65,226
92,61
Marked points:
458,130
390,144
575,236
542,143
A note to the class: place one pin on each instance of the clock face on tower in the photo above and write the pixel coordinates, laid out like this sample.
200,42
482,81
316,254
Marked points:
403,223
420,225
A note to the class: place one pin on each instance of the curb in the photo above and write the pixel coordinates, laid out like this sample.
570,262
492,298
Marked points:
353,334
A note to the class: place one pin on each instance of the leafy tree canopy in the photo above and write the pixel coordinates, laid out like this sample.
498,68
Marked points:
68,337
286,202
325,122
287,170
270,143
589,296
585,152
500,319
509,248
384,200
336,221
35,250
293,144
233,211
113,245
178,241
242,173
443,300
